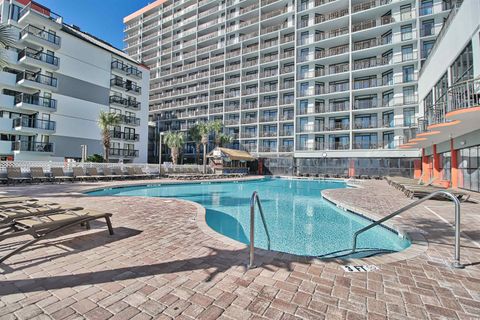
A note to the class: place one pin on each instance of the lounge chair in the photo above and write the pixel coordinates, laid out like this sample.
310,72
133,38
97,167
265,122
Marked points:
139,171
79,174
118,173
59,175
41,226
108,174
38,175
132,174
93,174
10,213
14,175
423,191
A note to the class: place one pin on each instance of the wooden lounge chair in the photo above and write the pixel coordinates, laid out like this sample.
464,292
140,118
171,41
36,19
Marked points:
38,175
59,175
93,174
29,210
14,175
41,226
79,174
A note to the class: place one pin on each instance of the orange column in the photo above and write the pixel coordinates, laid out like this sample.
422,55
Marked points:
351,168
436,164
454,164
425,167
417,168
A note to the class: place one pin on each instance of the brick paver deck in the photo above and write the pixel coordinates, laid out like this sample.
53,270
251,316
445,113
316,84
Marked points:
160,264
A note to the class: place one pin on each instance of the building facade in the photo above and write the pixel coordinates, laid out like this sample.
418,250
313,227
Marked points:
56,82
449,92
304,84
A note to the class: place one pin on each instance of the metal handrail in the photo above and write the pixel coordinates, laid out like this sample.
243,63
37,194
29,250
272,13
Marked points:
253,199
456,263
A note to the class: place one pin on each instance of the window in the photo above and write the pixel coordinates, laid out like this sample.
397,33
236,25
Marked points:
409,95
15,12
408,117
407,53
426,7
426,48
408,74
428,28
406,32
406,12
462,68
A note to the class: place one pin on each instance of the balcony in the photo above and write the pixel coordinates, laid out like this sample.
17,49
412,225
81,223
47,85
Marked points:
38,14
124,102
33,126
36,81
26,146
285,148
338,146
118,135
38,59
123,153
130,121
35,103
39,37
126,69
128,85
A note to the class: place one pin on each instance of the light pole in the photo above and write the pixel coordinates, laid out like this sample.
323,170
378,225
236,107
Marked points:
160,154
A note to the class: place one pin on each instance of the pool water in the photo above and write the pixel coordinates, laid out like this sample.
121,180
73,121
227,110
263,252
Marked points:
298,219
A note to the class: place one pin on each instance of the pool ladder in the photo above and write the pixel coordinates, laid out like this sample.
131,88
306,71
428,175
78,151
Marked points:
456,263
256,199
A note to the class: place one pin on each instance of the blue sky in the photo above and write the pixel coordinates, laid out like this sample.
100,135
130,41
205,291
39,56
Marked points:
102,18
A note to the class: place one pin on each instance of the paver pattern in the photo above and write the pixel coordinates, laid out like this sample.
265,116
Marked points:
161,265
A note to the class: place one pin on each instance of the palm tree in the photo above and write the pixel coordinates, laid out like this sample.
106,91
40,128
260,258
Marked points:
204,131
225,139
216,127
106,120
6,40
195,135
174,141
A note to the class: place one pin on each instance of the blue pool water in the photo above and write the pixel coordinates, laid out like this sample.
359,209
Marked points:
298,219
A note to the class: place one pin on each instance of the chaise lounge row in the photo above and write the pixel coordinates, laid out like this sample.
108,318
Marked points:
36,174
22,216
413,189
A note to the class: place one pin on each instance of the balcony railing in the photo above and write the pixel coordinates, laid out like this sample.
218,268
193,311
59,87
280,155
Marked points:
128,153
127,103
34,123
38,55
124,135
134,121
40,34
41,10
127,85
37,77
35,99
32,146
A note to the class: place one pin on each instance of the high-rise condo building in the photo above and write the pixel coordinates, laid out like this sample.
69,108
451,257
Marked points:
56,81
307,85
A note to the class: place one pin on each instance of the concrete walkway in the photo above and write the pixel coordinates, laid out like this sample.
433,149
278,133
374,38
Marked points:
160,264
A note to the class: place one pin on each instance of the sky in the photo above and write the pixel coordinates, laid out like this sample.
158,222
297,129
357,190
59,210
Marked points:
101,18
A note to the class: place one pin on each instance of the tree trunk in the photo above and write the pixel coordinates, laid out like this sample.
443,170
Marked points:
106,145
197,153
174,155
204,158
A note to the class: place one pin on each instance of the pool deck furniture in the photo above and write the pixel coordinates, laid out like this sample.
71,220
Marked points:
41,226
79,174
59,175
93,174
139,172
14,175
118,173
10,213
107,174
414,189
38,175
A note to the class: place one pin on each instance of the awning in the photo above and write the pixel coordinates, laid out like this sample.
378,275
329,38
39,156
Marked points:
232,154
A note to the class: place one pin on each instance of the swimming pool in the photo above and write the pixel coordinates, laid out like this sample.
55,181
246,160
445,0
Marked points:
298,219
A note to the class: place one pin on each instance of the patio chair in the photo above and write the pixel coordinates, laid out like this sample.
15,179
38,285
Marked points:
14,175
59,175
140,172
93,173
37,175
132,174
118,173
41,226
79,174
10,213
108,174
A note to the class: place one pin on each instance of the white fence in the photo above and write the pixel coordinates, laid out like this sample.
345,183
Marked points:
68,166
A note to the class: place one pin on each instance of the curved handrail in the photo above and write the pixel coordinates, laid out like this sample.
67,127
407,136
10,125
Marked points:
253,199
456,263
